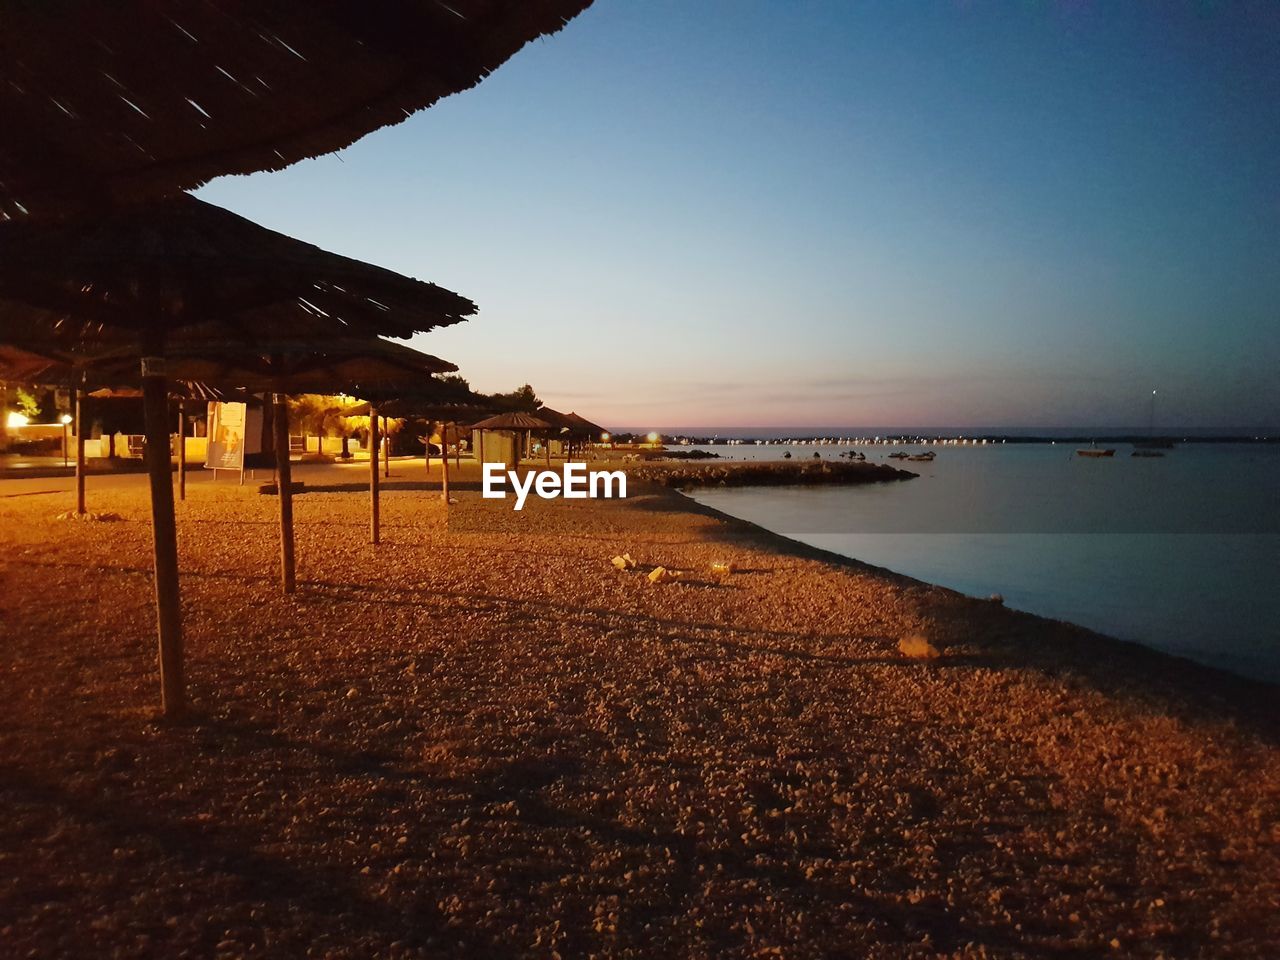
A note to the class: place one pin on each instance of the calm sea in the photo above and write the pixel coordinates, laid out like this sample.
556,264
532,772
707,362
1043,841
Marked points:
1181,552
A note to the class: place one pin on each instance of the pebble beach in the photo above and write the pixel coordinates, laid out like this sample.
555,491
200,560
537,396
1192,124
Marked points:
480,738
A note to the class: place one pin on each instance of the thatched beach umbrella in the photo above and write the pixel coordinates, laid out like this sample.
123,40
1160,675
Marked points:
83,380
142,272
131,278
443,402
135,99
353,366
277,368
179,390
560,426
584,428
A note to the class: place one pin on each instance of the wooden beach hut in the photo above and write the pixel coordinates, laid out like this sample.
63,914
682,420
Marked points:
502,438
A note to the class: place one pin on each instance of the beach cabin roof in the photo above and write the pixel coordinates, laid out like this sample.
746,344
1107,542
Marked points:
132,99
512,421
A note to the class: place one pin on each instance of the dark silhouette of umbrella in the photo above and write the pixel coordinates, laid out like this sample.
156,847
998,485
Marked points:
134,284
148,270
582,427
131,99
446,402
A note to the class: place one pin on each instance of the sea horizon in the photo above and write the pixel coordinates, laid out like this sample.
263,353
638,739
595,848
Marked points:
807,431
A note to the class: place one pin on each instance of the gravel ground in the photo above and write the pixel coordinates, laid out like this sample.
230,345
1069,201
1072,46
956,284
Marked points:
481,740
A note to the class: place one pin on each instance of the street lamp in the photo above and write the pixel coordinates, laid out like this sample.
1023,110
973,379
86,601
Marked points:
66,422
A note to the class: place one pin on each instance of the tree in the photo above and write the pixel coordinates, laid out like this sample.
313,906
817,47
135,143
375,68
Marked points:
522,400
28,404
321,415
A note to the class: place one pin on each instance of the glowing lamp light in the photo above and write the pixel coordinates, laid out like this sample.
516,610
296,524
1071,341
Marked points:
16,419
65,419
653,438
604,438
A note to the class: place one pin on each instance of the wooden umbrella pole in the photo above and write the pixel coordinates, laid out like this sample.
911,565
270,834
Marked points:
164,532
480,450
182,449
444,463
79,404
386,449
426,448
284,489
373,474
547,443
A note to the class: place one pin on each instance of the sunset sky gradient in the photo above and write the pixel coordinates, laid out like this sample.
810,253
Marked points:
780,213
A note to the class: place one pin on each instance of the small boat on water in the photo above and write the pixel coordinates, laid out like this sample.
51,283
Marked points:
900,455
1095,452
922,457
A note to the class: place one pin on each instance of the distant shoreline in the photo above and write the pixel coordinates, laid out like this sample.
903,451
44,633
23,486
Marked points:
978,439
767,473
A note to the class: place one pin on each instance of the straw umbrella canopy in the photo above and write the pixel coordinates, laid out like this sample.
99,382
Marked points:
26,366
99,383
353,366
582,427
559,427
135,99
554,418
127,280
143,271
346,365
445,401
582,430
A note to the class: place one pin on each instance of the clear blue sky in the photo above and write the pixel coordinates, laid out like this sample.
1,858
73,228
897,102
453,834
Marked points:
786,213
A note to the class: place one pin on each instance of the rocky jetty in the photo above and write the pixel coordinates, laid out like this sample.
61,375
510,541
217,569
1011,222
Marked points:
768,473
